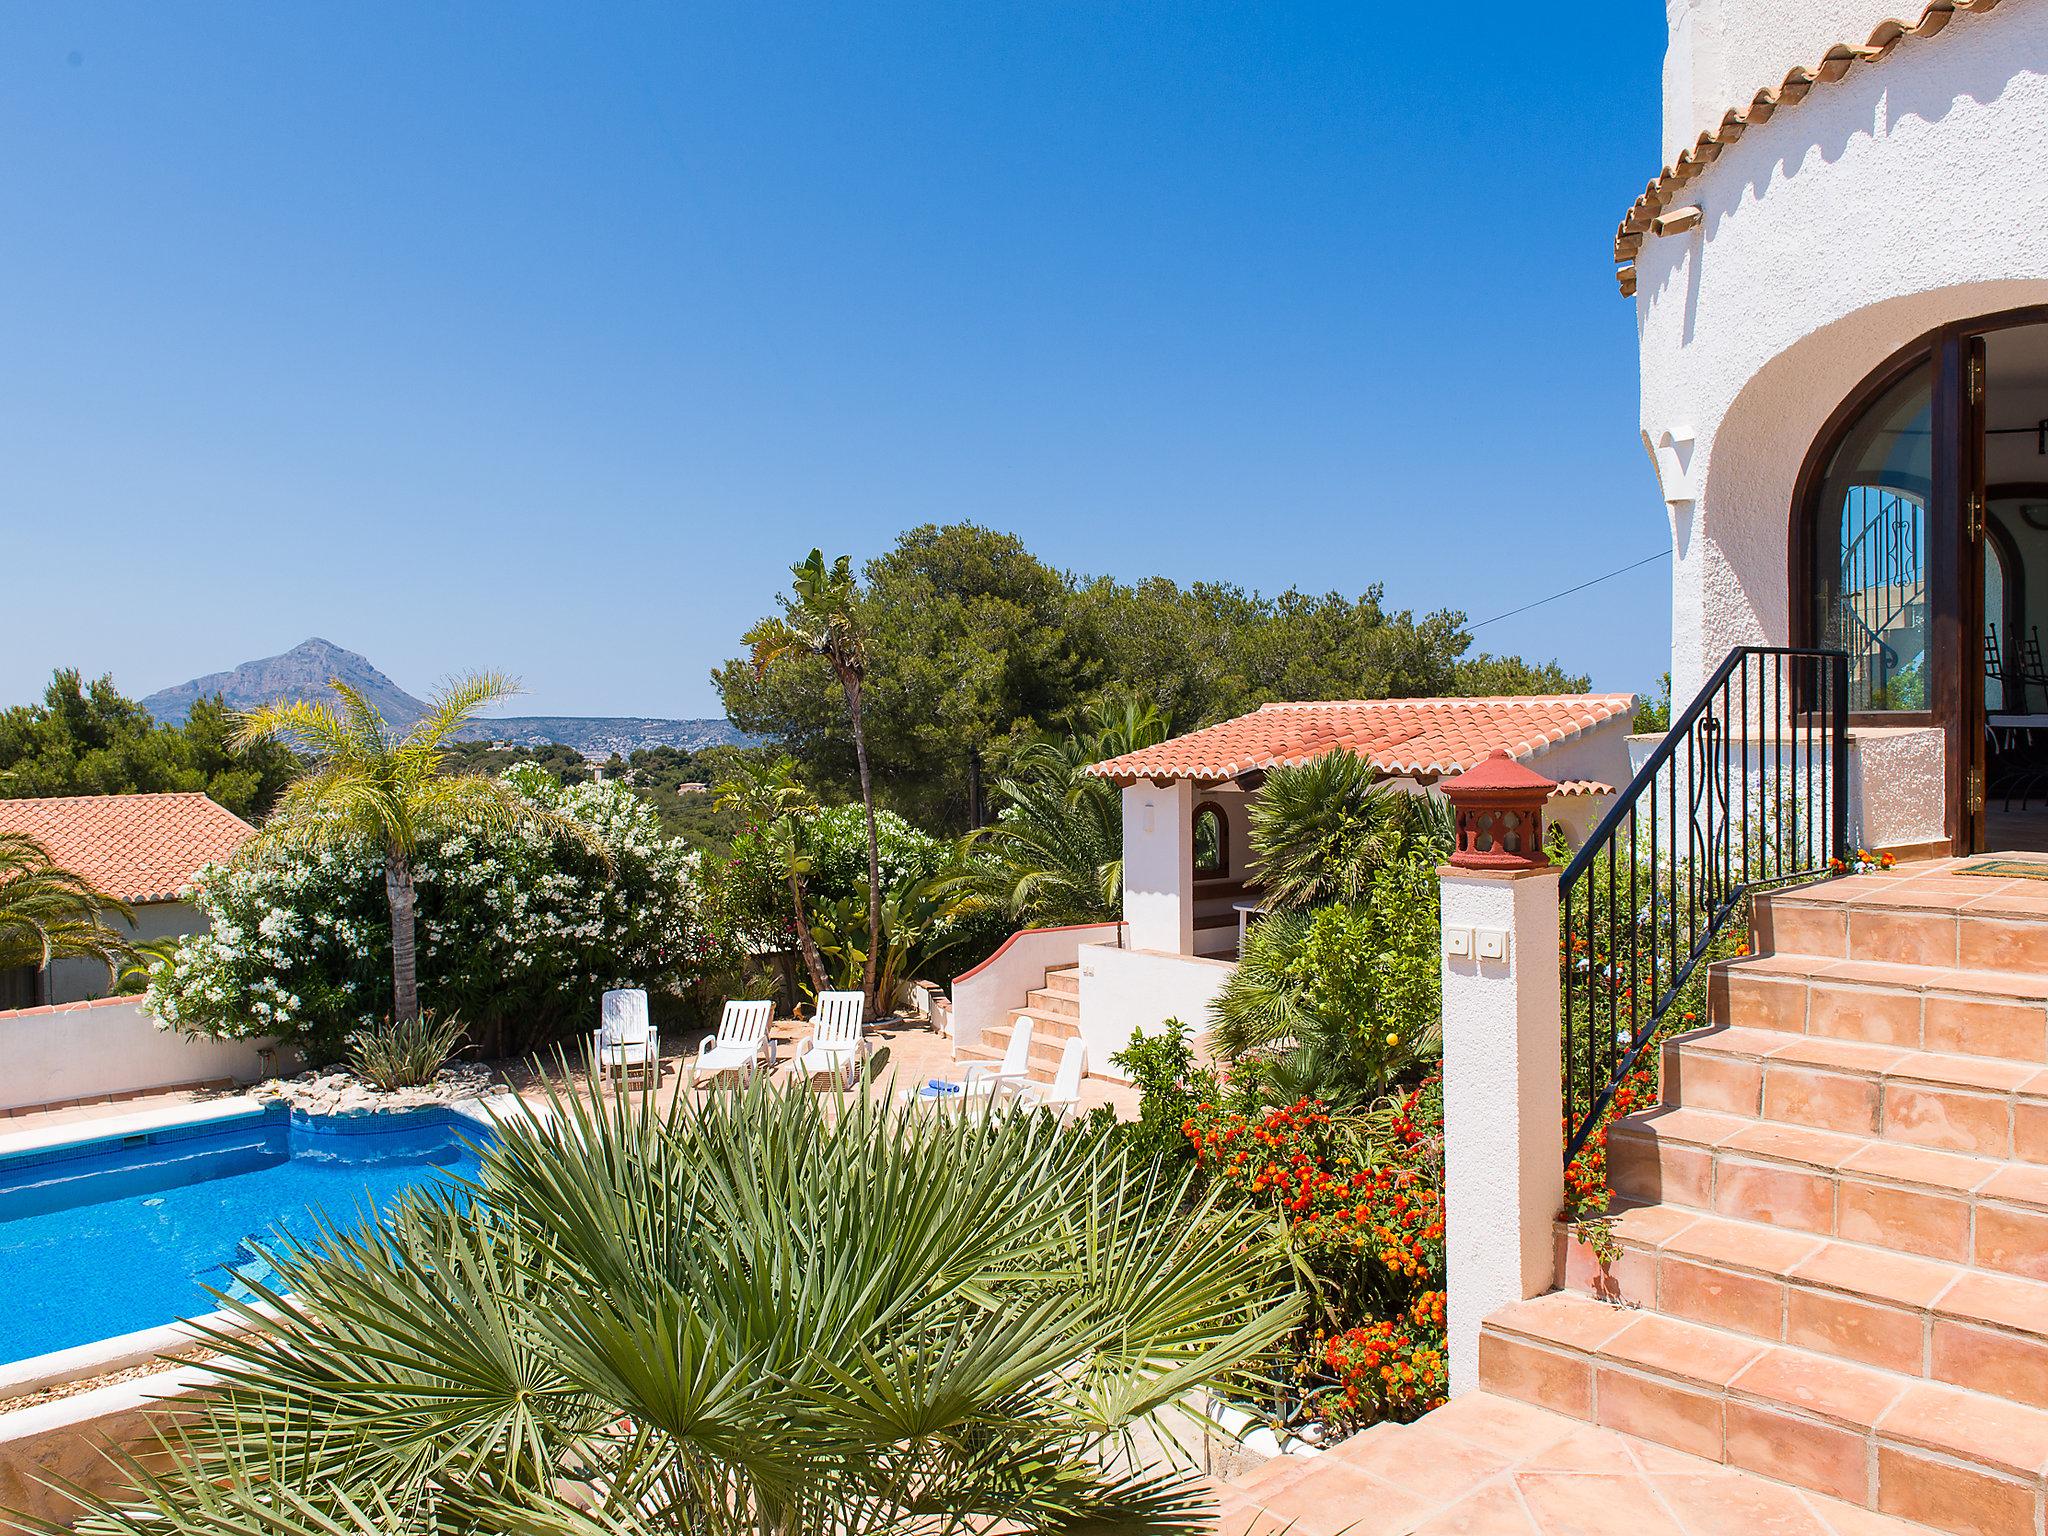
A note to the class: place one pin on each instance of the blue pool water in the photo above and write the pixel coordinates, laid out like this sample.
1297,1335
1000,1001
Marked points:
100,1238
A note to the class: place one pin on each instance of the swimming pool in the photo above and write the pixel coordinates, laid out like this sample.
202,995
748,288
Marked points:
105,1236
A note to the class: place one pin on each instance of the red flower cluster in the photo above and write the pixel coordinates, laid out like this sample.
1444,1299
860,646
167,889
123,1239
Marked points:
1392,1368
1377,1230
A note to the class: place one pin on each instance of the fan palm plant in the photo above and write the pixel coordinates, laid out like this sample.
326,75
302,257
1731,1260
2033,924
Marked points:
367,781
751,1319
49,913
1055,853
1322,830
821,617
774,808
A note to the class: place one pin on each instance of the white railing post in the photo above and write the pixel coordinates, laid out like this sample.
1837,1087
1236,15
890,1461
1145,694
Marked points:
1502,1032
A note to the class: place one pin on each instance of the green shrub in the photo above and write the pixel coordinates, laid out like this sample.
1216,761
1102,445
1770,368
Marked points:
404,1053
1171,1088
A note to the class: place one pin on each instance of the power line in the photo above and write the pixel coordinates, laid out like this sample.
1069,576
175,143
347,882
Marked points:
1662,554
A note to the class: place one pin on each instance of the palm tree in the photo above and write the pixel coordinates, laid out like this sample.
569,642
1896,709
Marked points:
1322,830
775,808
752,1317
49,913
1055,852
821,617
365,782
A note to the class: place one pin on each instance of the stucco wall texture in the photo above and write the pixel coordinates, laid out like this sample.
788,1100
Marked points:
1906,195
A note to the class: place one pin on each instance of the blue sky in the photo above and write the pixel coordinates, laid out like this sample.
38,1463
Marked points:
545,336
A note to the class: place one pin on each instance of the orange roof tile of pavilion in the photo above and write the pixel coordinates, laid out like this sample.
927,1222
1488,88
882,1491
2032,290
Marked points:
1421,737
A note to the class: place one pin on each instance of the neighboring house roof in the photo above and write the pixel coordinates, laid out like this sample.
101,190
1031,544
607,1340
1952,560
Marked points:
1834,64
1406,736
138,847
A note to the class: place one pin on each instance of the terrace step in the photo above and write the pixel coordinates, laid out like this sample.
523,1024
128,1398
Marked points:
1043,1002
1985,1106
1066,981
1950,1009
1489,1465
1955,1459
1987,1213
1935,920
1919,1317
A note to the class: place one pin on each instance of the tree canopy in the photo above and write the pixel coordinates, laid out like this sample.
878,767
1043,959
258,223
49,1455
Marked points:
89,739
975,647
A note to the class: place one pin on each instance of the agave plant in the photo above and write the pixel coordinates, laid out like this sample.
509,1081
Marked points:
404,1053
753,1318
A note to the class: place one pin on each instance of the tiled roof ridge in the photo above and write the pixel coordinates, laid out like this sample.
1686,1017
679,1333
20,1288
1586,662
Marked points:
130,794
1798,81
1418,736
1442,701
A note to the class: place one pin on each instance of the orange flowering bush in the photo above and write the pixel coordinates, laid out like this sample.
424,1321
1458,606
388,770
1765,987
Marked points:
1369,1222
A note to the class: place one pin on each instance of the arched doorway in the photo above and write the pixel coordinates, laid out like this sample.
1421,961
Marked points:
1914,550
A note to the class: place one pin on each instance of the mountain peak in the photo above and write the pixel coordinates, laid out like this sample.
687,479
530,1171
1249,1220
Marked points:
303,672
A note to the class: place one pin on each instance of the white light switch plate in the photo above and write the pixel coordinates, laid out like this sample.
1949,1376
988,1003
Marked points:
1492,943
1458,943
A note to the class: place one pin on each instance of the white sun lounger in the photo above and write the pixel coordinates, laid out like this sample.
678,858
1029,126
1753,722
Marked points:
834,1043
624,1041
741,1042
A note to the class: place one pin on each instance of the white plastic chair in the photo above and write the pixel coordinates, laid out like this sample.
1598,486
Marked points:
984,1083
624,1041
1064,1096
741,1041
834,1043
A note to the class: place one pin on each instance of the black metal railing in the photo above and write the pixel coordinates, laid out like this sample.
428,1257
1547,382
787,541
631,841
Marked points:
1748,790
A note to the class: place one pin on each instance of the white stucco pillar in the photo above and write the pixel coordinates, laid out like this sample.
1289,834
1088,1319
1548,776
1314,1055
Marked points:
1503,1105
1159,866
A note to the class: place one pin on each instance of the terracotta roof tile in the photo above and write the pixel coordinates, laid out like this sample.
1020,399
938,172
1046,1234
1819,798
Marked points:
1831,66
1581,787
1407,736
136,847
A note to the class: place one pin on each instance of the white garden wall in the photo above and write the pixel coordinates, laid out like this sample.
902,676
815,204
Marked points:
1123,990
110,1048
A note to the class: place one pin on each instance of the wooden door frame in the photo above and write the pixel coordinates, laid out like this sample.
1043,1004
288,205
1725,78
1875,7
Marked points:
1955,668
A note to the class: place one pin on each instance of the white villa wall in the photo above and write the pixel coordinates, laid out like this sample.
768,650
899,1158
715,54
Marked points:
110,1048
1908,194
73,981
1126,990
1722,52
1159,866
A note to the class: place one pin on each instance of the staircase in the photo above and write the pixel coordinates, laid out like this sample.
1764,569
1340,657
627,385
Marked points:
1834,1230
1055,1014
1829,1312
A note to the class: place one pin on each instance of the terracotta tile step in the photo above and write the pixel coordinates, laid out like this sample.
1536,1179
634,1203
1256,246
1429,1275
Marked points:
1049,1004
1946,923
1919,1317
1488,1465
1957,1460
1981,1105
1976,1211
1935,1008
1066,981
